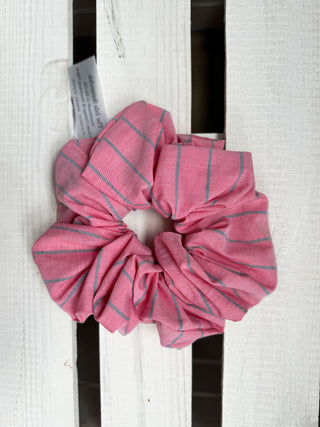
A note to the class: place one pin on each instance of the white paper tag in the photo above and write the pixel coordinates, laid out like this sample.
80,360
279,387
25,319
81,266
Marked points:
89,114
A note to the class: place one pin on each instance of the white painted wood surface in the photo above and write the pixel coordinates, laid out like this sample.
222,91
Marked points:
272,357
143,52
38,383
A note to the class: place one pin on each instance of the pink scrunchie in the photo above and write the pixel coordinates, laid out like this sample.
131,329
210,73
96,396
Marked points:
218,263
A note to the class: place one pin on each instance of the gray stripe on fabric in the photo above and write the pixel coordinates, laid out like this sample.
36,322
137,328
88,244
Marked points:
177,309
236,293
241,214
208,175
212,143
234,271
246,274
77,142
228,298
177,180
111,206
202,309
240,173
153,302
159,136
97,302
237,180
137,131
145,290
215,279
116,309
264,267
146,261
87,233
188,262
176,339
127,275
70,160
172,282
196,306
157,203
128,162
122,261
61,279
200,328
104,179
162,115
96,273
264,239
190,138
205,301
68,194
67,251
80,281
216,201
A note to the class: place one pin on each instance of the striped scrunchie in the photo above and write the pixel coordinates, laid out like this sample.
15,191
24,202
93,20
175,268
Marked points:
217,264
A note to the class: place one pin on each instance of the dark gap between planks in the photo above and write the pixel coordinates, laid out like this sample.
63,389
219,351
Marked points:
208,116
88,363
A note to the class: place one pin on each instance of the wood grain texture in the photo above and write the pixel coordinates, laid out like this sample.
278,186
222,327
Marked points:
143,52
38,382
272,357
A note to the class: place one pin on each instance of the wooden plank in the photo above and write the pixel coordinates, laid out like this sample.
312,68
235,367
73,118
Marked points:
143,52
271,358
38,382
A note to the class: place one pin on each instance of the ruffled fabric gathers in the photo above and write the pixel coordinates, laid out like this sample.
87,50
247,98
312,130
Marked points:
217,264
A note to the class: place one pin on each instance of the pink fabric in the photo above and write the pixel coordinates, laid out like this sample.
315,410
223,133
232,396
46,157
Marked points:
218,263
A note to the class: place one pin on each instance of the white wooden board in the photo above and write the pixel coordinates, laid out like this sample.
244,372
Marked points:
38,383
272,357
143,52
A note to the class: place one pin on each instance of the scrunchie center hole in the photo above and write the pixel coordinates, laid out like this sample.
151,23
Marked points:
147,224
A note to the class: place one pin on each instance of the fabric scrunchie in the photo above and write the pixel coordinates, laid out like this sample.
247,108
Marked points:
217,264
